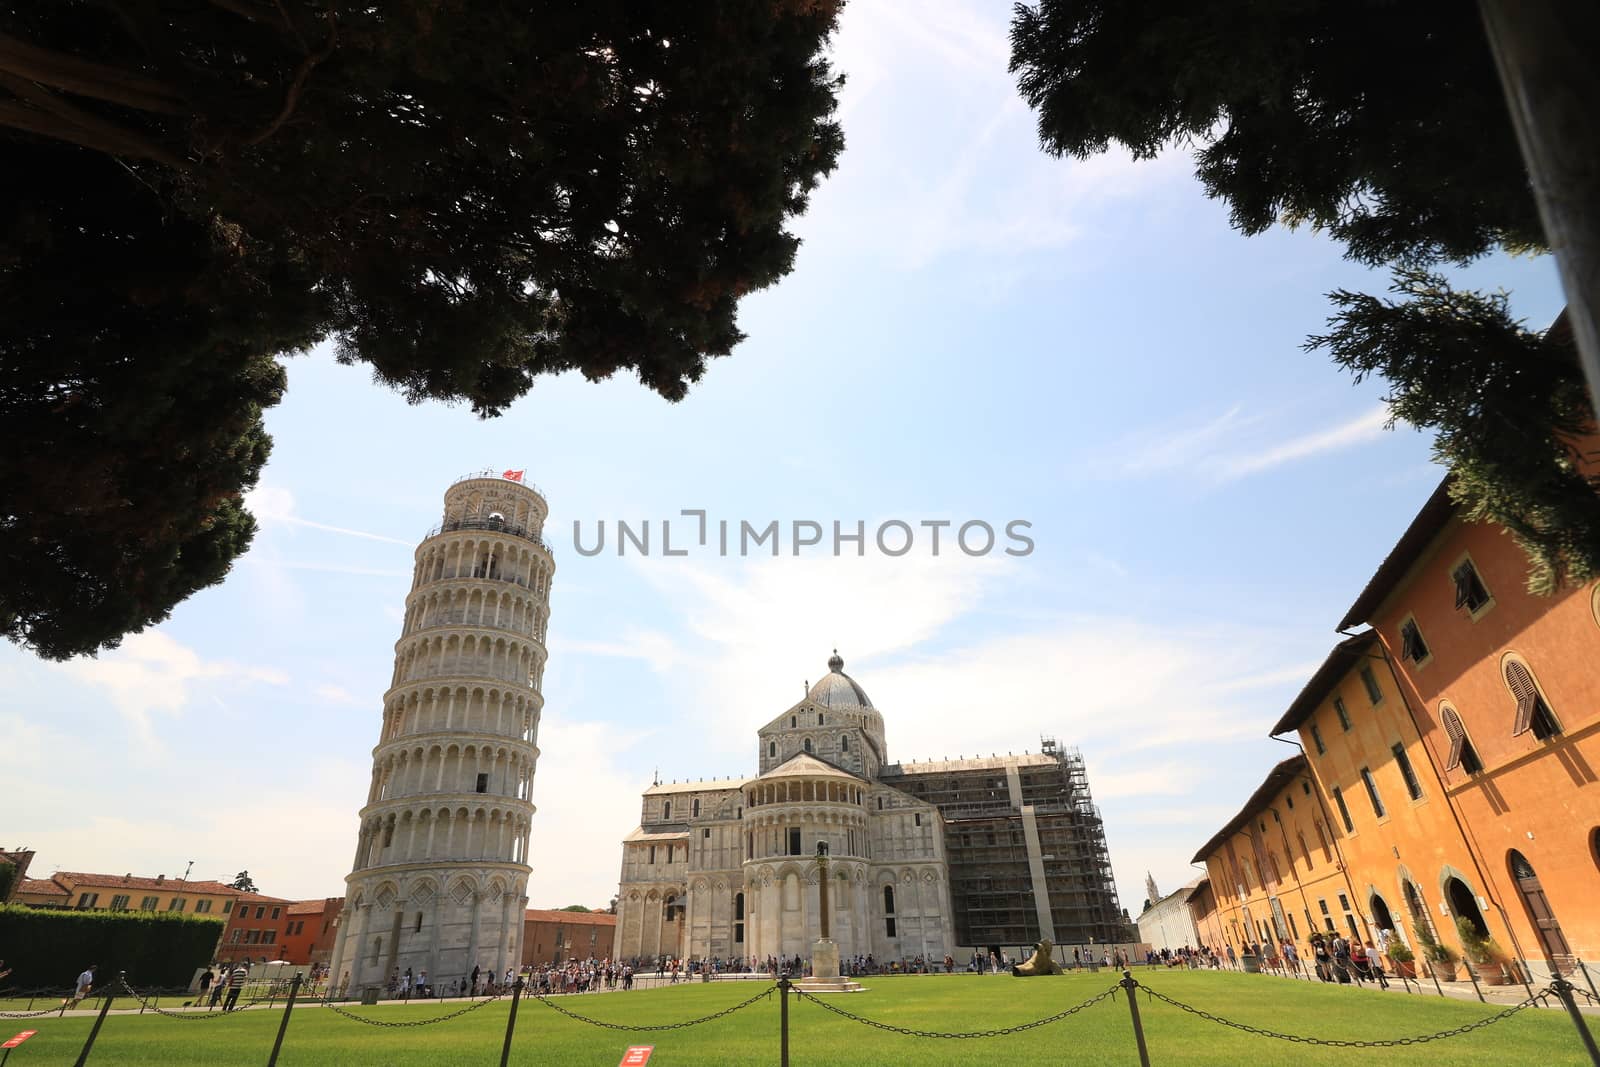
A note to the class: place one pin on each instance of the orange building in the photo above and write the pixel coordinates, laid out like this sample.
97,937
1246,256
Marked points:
1387,815
255,928
558,936
1504,689
1274,871
309,930
1207,919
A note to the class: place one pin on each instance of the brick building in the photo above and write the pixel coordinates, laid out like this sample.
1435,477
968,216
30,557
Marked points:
310,928
557,936
256,928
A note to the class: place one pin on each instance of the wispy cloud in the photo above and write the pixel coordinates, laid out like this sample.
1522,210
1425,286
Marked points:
1356,431
338,694
1236,445
153,674
271,504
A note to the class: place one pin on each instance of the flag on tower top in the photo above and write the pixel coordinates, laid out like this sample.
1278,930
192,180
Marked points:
515,476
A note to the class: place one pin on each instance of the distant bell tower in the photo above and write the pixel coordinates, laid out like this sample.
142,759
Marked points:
440,876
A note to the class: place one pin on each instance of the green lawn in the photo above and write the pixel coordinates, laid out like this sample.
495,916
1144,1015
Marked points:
1099,1035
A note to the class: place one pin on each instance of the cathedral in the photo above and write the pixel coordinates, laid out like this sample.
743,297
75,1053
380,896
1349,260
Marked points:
947,856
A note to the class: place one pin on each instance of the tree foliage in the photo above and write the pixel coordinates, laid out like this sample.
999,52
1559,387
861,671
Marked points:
1384,125
1511,414
462,194
244,883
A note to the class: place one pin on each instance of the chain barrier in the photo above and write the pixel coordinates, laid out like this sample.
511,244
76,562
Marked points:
32,1014
960,1034
547,1002
409,1023
194,1016
1301,1039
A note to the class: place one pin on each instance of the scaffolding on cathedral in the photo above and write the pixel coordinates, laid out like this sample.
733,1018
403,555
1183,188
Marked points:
991,807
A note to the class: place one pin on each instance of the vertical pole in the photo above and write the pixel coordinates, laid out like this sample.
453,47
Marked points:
283,1025
783,1021
1132,987
105,1006
1433,972
1587,977
1472,973
511,1022
1523,972
1563,989
1551,86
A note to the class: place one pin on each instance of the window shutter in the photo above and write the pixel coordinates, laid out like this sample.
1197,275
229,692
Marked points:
1456,733
1463,579
1521,684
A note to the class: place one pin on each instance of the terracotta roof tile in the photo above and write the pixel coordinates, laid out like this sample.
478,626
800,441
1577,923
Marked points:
115,881
576,918
41,887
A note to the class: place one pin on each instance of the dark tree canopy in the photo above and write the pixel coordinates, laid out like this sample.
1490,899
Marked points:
463,194
1383,124
1380,122
243,882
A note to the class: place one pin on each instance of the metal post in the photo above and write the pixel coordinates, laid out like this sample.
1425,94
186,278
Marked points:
1433,972
1473,974
1522,972
1587,977
1563,989
511,1022
783,1021
94,1031
283,1025
1128,983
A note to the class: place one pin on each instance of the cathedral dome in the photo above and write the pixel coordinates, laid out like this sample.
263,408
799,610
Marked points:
837,689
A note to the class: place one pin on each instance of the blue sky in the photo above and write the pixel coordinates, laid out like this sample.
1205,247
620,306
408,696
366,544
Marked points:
973,330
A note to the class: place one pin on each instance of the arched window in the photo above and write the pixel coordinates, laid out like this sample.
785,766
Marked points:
844,743
1532,711
820,720
738,919
1462,754
666,811
772,748
808,744
888,900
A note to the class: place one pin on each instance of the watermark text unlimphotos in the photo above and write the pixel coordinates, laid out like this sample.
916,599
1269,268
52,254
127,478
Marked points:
693,533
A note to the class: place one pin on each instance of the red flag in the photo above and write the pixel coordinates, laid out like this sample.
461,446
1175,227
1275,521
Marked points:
515,476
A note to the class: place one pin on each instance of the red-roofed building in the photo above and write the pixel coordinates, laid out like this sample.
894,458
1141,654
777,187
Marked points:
125,892
310,930
557,936
255,928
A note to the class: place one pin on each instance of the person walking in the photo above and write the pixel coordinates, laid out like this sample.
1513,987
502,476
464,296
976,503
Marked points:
476,971
84,986
205,986
235,986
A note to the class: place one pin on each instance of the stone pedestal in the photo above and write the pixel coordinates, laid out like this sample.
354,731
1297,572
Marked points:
825,977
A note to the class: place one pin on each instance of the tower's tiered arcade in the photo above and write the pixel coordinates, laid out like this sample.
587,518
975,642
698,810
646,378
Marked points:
440,873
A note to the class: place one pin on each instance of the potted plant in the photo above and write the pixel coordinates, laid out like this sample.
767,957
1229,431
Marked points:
1401,956
1486,957
1441,958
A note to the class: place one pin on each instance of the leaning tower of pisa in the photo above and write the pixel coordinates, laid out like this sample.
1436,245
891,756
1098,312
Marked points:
440,873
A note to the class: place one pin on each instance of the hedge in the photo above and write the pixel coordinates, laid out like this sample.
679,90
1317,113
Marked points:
49,947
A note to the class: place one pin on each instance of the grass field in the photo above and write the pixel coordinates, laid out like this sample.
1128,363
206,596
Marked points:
1100,1035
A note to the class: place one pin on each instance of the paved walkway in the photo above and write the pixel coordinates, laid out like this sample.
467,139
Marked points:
1499,996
